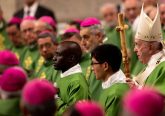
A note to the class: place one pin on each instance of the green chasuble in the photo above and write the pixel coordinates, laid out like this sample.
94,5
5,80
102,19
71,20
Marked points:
157,78
111,98
10,107
5,43
113,37
71,89
19,52
45,69
85,63
94,85
30,59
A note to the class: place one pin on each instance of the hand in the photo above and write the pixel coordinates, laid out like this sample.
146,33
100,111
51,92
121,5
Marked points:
131,83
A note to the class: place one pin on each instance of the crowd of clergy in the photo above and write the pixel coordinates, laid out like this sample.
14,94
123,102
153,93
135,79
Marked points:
80,72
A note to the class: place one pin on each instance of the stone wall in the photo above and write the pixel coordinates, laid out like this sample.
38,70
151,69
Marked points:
64,9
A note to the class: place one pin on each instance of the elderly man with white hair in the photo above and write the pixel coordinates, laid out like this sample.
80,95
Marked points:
149,49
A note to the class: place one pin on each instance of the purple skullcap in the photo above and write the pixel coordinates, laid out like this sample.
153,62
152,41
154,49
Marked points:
49,20
15,20
145,102
89,108
8,58
71,30
45,31
37,92
90,21
29,18
13,79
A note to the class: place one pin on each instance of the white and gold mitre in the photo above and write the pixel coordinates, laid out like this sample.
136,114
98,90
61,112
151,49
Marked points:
148,29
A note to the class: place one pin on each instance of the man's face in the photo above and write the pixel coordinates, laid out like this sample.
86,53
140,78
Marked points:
46,47
131,10
60,57
98,69
89,40
14,34
27,29
162,13
142,49
109,15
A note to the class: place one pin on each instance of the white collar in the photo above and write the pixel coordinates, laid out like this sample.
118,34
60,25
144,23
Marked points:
32,9
72,70
118,77
154,58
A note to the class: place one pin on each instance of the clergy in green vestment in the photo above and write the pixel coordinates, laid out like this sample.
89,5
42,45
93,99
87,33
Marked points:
14,34
10,93
44,67
92,35
31,55
72,34
150,51
72,84
106,61
47,46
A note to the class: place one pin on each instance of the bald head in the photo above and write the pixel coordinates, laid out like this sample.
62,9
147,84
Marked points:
109,12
